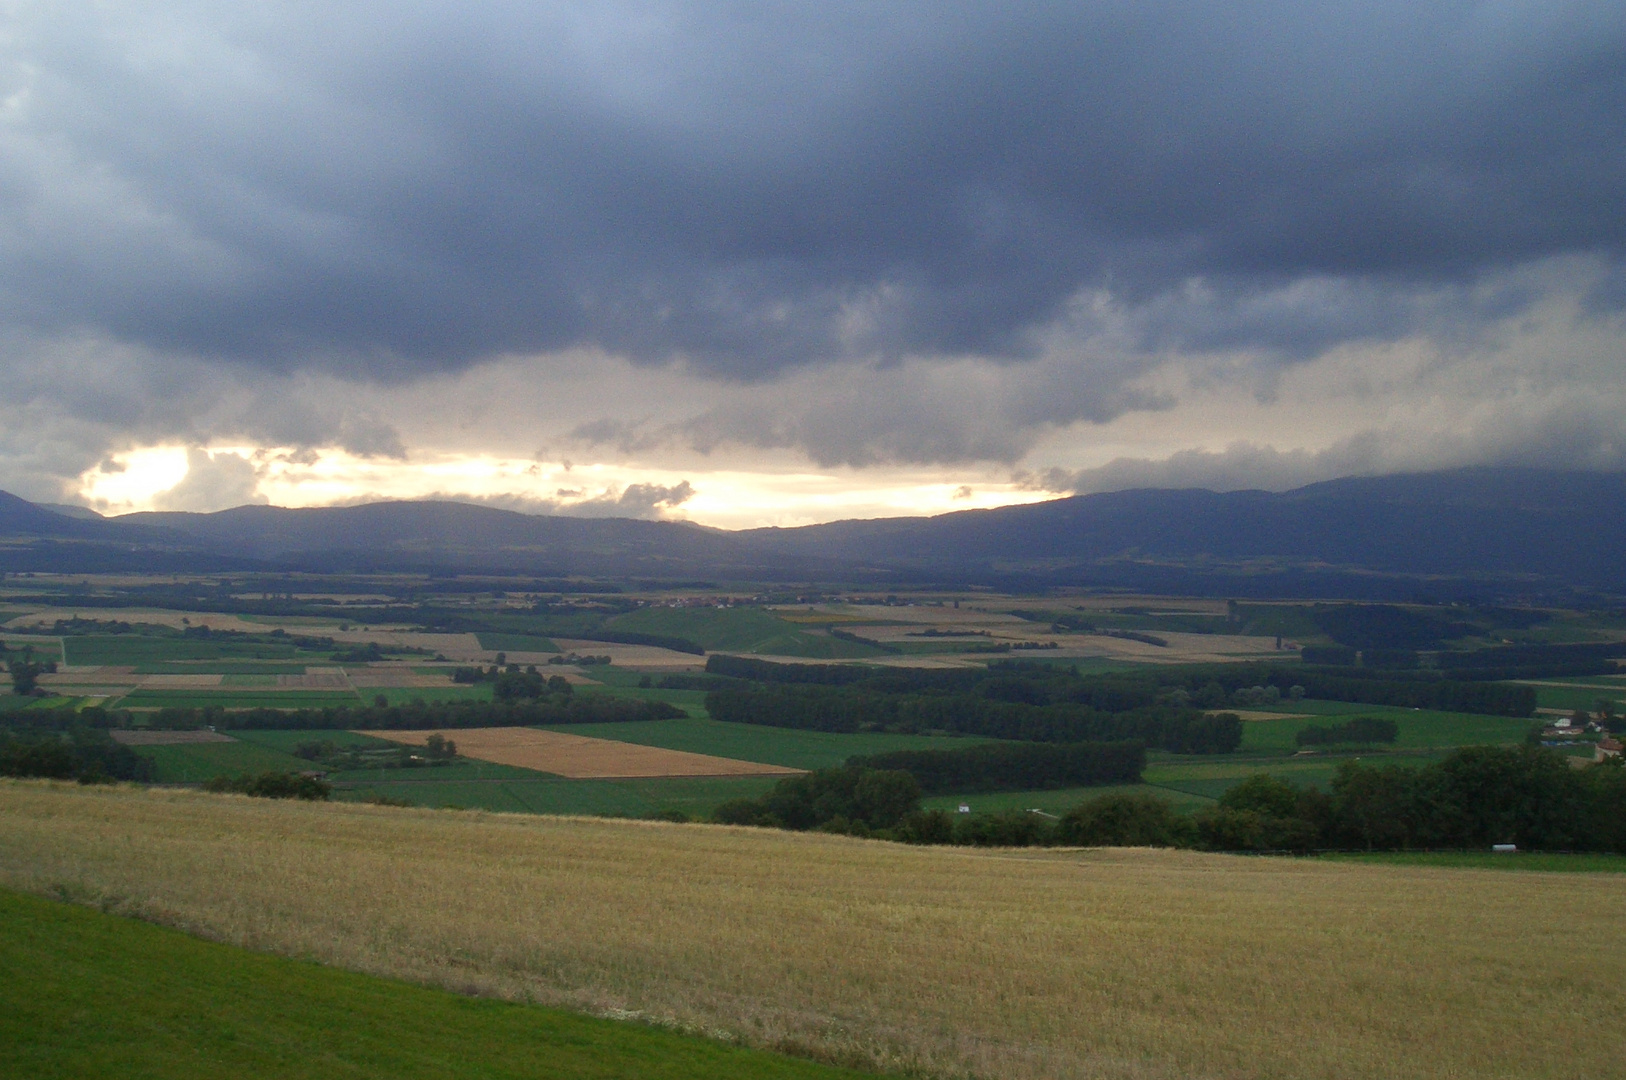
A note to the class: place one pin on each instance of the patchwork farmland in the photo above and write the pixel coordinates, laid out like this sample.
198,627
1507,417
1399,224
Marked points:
1056,962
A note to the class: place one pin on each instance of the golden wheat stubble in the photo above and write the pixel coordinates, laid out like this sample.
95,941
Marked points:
1009,964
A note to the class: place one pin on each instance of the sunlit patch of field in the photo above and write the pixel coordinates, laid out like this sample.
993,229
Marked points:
999,963
579,757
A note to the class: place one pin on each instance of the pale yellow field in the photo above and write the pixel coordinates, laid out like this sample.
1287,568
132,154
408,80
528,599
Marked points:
580,757
1002,964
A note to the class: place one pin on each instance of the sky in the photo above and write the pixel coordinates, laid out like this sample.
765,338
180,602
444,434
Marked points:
774,263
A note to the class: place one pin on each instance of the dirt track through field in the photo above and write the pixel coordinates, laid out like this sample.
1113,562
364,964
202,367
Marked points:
579,757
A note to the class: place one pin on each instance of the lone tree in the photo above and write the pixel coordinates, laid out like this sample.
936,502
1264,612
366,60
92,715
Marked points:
24,677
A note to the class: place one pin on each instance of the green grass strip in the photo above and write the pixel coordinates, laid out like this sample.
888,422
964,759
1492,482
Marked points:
93,995
517,643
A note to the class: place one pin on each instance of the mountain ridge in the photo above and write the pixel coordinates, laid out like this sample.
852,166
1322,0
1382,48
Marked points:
1513,528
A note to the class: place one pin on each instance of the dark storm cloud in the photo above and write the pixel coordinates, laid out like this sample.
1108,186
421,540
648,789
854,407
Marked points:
385,190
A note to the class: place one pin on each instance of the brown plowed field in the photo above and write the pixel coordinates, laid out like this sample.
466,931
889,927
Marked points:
579,757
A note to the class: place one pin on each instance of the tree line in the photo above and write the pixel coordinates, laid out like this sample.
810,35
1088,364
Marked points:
747,667
1360,729
1475,798
1422,692
86,754
512,684
1170,727
1209,687
1014,766
273,785
410,716
1479,665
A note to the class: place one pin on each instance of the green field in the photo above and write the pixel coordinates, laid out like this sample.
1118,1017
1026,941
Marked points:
272,751
1551,696
45,648
1419,729
692,702
286,741
462,771
229,698
747,630
1522,860
1288,620
401,695
1314,708
10,702
695,796
191,763
139,649
517,643
1212,777
769,745
623,682
94,995
1058,801
225,667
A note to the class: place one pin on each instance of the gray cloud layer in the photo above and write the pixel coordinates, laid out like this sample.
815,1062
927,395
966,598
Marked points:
865,233
396,189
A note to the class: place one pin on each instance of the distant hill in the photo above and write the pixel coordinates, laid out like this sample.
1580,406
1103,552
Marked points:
1511,526
1466,532
451,534
21,518
83,513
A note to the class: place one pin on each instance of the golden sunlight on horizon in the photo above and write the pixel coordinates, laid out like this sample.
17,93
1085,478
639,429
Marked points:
189,478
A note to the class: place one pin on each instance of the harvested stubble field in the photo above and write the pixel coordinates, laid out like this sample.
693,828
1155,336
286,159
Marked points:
578,757
993,963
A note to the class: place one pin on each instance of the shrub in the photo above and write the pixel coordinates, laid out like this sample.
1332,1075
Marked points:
273,785
927,827
1332,655
1007,828
84,754
1362,729
879,799
1015,766
1125,820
